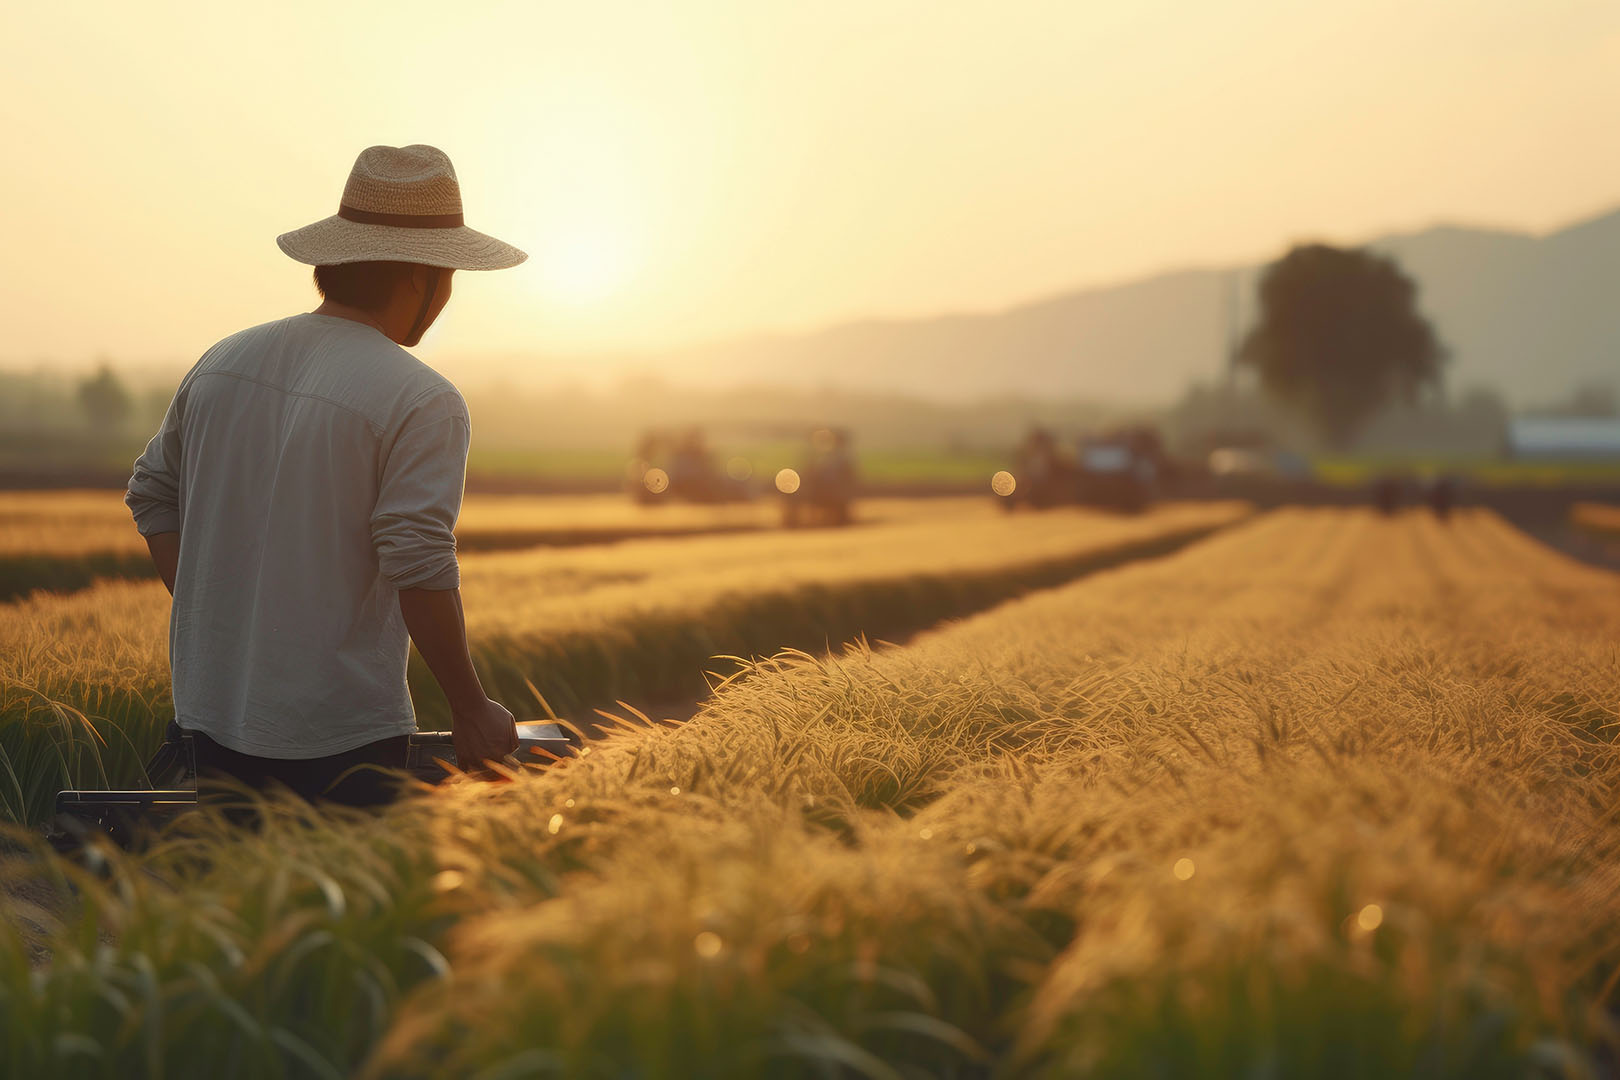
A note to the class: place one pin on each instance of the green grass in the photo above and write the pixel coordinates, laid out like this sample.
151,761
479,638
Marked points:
22,574
73,735
602,466
572,466
1361,471
923,467
43,453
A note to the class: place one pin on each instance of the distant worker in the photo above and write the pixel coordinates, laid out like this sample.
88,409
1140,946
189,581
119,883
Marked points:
1387,493
299,501
1442,496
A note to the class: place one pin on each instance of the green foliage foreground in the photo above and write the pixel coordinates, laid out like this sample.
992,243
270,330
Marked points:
1307,799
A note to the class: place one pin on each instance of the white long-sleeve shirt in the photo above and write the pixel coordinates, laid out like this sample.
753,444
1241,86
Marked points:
312,468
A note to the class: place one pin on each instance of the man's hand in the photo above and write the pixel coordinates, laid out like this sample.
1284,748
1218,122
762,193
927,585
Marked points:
480,729
484,732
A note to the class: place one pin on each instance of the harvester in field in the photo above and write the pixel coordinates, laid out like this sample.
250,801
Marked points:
1121,470
1043,475
822,490
127,817
670,467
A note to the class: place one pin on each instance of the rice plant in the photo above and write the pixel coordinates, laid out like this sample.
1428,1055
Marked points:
1325,795
62,541
585,627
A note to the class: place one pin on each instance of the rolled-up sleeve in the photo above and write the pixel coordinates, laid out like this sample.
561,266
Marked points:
153,493
419,497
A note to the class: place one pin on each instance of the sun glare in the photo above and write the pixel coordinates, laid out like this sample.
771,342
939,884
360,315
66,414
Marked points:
584,264
586,206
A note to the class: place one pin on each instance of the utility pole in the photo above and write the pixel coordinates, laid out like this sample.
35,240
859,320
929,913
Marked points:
1233,337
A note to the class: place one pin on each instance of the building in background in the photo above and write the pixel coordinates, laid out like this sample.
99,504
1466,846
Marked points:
1564,438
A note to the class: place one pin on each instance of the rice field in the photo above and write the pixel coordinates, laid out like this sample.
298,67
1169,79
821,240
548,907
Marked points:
1599,518
1324,794
80,522
65,540
84,694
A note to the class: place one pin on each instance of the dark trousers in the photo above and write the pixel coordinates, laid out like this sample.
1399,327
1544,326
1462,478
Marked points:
349,778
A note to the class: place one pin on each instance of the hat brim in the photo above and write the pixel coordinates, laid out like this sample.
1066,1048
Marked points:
335,240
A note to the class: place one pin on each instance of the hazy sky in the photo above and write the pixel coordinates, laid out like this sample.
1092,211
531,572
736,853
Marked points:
691,169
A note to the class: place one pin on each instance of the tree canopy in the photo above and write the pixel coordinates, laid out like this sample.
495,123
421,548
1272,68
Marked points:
1339,337
105,402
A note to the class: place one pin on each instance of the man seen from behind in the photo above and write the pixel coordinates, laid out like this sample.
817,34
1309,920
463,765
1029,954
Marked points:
300,497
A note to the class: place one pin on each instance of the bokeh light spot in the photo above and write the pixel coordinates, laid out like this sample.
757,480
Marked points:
787,481
1371,917
1184,869
708,944
739,468
1003,483
554,826
656,480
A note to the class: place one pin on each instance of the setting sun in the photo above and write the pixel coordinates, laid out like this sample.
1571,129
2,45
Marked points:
585,262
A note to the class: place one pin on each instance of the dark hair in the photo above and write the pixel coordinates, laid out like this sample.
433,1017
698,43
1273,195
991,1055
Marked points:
364,285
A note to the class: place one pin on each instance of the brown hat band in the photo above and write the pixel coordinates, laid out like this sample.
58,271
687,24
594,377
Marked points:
403,221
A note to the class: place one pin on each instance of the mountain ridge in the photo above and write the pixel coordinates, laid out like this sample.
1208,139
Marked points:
1529,314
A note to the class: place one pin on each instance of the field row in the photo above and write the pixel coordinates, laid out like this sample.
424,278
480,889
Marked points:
1596,517
84,677
63,540
1323,795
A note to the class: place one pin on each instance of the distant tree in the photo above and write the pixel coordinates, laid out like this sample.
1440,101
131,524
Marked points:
105,401
1340,337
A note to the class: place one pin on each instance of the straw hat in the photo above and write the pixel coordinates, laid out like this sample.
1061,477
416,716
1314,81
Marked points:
401,204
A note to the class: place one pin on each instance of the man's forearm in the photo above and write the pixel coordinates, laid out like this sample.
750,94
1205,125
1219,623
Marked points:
439,629
165,549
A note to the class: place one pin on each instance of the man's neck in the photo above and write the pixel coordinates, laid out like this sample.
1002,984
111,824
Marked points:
354,314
